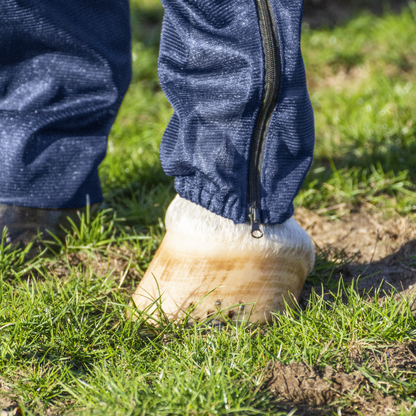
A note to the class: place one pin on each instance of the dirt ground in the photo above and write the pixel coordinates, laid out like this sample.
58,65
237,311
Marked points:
8,407
311,390
381,253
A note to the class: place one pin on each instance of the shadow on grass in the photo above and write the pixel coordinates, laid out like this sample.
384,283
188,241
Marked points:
318,13
393,274
143,200
392,157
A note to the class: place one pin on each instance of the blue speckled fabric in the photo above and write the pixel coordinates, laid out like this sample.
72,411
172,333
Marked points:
211,69
64,69
65,66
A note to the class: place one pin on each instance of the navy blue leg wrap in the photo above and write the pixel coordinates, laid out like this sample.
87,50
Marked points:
212,71
65,67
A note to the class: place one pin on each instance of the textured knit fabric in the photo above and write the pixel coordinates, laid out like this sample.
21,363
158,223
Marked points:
212,70
65,66
64,69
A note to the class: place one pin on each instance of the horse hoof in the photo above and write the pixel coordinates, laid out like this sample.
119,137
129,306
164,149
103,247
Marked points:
21,226
208,267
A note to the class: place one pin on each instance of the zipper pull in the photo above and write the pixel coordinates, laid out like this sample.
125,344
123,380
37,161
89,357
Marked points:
255,224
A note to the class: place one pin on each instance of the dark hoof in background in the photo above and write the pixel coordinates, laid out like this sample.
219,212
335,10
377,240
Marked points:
20,226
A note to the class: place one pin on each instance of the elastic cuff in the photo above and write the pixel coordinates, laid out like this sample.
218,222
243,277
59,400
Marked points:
199,190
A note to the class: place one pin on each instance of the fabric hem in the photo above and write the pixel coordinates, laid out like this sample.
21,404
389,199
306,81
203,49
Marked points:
225,204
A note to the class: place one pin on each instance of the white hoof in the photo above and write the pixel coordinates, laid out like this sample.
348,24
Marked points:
207,264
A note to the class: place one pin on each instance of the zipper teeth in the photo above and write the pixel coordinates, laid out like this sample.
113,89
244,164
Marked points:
271,49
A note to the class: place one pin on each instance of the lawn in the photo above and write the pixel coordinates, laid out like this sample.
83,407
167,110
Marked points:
66,346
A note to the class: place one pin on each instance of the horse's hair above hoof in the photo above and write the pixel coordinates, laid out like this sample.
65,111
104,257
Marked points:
193,221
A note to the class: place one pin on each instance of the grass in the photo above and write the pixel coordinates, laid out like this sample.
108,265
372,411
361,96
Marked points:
66,345
363,91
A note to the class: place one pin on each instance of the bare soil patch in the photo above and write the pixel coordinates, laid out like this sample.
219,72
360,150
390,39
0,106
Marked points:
317,391
314,391
381,253
8,407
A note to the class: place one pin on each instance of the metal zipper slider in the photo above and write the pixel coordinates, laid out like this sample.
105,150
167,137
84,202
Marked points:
255,223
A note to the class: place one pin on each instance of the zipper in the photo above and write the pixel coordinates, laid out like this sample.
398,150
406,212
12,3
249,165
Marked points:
272,62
